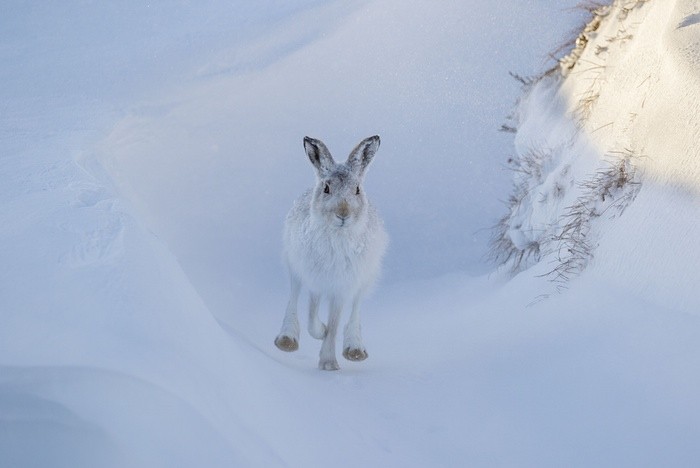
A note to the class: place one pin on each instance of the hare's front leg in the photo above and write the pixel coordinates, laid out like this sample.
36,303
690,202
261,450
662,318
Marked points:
316,328
353,349
288,338
327,359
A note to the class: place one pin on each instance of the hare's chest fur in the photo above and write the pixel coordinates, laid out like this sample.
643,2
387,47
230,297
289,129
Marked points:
333,260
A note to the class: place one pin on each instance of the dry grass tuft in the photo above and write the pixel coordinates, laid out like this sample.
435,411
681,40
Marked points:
608,193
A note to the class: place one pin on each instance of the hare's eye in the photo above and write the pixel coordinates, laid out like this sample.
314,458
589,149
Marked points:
357,192
327,189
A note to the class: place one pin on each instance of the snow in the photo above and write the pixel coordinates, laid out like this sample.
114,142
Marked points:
623,97
151,152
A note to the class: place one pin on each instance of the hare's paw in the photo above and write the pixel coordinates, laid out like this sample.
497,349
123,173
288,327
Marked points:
286,343
353,349
355,354
329,365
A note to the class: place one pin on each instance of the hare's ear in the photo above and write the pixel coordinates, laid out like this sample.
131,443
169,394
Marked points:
363,153
319,155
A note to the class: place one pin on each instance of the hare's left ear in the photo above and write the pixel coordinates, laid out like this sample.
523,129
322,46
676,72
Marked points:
319,156
362,155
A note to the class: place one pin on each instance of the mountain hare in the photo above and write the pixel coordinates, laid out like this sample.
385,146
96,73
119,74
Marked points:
334,242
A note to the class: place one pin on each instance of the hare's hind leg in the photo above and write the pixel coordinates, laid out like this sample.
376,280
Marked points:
327,359
288,338
353,349
316,328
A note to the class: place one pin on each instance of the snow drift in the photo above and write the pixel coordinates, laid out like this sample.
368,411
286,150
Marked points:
608,158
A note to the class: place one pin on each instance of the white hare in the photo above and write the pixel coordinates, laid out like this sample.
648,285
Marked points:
334,242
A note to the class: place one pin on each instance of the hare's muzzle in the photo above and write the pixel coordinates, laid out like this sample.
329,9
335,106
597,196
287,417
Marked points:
343,210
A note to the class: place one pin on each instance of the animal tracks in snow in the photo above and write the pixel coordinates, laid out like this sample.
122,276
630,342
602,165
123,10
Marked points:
100,227
100,245
89,197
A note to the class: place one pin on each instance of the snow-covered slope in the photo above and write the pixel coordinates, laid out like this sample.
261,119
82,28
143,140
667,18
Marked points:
150,152
608,159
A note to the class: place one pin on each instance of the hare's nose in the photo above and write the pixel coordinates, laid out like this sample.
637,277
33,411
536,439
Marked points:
343,210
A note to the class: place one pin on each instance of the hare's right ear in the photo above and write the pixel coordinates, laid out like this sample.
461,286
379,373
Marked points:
319,156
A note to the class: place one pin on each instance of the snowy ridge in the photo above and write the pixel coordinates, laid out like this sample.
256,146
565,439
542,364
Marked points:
590,143
88,358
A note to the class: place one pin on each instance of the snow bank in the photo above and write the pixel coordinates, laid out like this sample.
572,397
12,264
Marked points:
109,356
615,139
